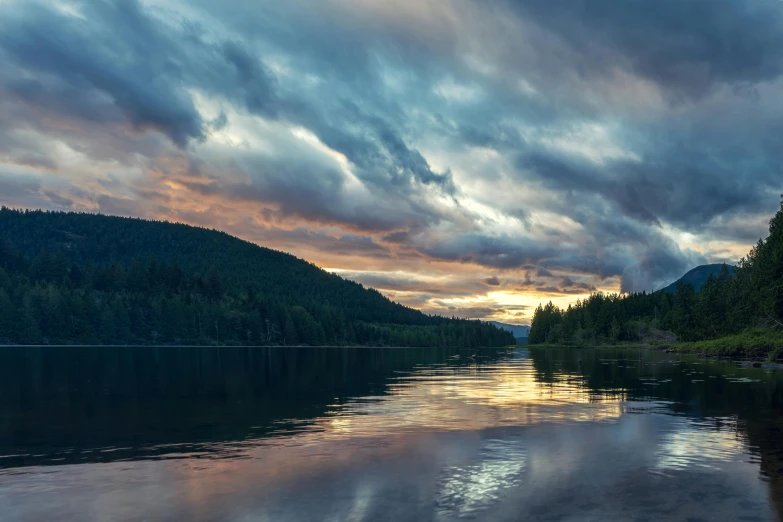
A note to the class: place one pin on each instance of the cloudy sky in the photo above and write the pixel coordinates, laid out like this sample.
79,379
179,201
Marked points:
466,157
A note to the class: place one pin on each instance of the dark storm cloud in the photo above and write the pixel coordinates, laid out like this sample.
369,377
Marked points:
120,62
674,184
253,81
713,155
374,146
123,63
411,161
686,47
495,252
597,131
121,54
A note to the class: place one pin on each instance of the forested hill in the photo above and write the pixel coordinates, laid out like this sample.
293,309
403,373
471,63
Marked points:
730,303
242,266
74,277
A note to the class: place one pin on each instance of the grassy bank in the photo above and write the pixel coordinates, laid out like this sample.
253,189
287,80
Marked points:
756,344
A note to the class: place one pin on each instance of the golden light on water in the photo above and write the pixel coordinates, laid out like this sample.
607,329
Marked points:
442,398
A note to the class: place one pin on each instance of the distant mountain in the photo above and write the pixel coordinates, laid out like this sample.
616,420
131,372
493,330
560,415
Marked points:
520,332
699,275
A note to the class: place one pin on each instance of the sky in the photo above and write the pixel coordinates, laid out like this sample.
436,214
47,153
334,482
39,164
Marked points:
465,157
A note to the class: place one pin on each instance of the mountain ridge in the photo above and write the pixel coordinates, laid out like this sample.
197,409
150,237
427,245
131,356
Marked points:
520,332
697,276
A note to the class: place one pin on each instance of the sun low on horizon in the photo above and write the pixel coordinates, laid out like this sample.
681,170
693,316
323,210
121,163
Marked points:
464,158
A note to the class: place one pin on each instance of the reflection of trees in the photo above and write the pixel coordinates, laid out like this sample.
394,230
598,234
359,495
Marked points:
765,435
757,407
58,402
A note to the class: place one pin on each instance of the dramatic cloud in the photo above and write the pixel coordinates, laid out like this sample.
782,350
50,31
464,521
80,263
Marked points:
468,158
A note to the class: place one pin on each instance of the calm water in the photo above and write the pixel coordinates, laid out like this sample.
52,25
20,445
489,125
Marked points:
332,434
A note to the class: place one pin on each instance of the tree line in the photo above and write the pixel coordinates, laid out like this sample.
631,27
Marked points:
725,305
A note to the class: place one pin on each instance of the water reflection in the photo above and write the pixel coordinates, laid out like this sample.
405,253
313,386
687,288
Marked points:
471,488
700,443
383,434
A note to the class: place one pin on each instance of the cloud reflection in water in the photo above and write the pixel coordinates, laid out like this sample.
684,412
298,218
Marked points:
465,490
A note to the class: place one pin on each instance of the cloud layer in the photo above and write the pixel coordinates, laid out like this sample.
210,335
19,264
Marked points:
469,158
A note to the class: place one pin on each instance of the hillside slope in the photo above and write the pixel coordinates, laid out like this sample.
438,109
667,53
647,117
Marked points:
699,275
98,239
164,282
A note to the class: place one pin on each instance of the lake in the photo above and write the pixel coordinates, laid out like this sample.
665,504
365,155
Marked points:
375,434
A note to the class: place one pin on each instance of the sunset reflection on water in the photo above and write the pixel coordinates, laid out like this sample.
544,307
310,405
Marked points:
468,398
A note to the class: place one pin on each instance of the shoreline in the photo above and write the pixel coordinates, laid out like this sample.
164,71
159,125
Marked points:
242,346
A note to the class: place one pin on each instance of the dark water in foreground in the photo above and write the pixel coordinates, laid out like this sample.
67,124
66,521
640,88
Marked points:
330,434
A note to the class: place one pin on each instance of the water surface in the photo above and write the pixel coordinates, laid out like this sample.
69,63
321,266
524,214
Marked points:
354,434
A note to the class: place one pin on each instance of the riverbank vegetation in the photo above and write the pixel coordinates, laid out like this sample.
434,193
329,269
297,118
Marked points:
69,278
754,343
738,315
